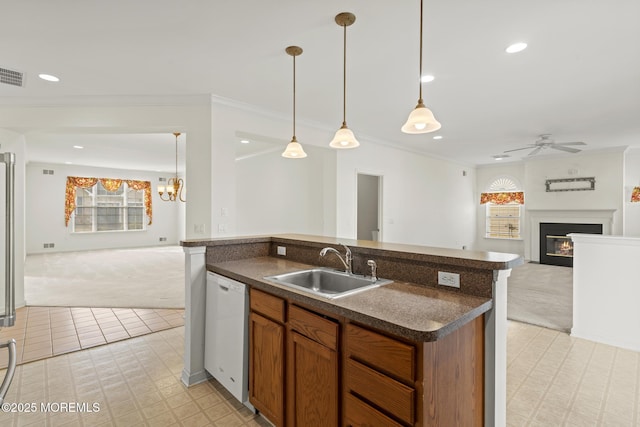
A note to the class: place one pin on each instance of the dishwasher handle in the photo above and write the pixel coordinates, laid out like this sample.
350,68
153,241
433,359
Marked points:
11,368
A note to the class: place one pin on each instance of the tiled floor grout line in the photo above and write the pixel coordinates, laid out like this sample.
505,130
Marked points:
574,395
68,319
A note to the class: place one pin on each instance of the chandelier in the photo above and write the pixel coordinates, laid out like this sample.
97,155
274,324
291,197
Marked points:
175,185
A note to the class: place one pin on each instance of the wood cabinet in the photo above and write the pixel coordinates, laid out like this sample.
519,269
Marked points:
267,355
312,369
310,387
379,378
394,382
309,369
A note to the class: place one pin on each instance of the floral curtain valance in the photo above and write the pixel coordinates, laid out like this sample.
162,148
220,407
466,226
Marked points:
502,198
110,184
635,194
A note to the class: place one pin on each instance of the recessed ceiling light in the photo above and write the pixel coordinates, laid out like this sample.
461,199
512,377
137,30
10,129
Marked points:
516,47
244,141
49,77
437,137
427,78
79,147
68,163
500,156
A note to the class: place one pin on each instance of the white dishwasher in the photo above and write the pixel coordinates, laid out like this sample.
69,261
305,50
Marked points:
226,353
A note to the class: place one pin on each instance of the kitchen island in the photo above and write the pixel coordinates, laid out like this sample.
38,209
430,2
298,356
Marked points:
414,309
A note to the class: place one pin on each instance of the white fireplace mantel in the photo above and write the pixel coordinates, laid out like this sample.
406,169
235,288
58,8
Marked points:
570,216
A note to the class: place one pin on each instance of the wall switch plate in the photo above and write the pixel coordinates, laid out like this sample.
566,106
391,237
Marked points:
282,250
449,279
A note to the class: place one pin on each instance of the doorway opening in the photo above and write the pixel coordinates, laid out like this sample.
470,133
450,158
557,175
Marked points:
369,218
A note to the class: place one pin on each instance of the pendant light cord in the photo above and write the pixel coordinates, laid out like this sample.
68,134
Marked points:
176,156
294,98
344,79
420,76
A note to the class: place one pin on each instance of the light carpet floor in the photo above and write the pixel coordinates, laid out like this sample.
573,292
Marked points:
150,277
541,295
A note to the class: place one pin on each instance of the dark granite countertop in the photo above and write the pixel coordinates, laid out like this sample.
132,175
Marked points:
415,312
455,257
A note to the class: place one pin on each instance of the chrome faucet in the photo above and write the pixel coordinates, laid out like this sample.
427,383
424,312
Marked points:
374,270
346,261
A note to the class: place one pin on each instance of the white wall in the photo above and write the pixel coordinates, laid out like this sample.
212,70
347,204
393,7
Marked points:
606,166
278,195
47,193
605,291
425,201
613,170
244,193
190,115
631,179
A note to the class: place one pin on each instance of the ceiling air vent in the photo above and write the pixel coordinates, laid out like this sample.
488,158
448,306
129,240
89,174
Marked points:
11,77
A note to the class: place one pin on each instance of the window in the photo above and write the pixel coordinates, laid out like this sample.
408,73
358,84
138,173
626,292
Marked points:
504,209
98,209
503,221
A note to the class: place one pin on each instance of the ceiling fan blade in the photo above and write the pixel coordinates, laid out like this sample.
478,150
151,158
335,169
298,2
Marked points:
518,149
571,143
567,149
534,152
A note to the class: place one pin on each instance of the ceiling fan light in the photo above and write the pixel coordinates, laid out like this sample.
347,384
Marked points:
344,139
421,120
294,150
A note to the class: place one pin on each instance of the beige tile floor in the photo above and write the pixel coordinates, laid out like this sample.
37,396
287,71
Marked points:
553,380
556,380
42,332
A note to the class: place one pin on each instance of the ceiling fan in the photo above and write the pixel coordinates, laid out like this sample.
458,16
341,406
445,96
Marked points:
544,141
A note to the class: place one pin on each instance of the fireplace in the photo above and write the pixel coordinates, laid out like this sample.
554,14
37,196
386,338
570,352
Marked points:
555,247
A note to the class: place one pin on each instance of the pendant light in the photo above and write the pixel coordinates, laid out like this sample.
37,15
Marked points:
421,119
344,137
175,185
294,149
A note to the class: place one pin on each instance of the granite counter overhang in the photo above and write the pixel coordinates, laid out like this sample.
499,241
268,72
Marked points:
416,312
443,256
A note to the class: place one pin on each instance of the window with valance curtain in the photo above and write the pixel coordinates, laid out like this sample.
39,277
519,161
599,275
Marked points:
107,204
503,212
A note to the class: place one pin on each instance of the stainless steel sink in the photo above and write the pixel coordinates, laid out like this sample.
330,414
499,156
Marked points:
326,282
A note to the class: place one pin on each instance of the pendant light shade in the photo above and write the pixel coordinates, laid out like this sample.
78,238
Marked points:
421,119
294,149
344,137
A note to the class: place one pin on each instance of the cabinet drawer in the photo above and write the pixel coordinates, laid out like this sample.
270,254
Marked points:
381,390
381,352
314,326
357,413
268,305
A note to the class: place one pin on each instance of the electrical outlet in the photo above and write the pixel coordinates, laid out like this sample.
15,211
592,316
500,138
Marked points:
222,228
449,279
282,250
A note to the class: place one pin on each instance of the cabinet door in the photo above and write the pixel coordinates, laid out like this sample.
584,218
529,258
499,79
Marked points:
266,367
313,383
